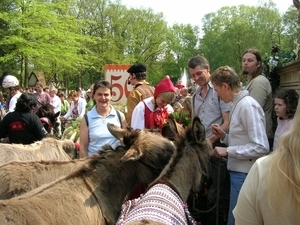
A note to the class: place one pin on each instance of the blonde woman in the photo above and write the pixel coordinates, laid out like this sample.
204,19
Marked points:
247,139
271,191
77,108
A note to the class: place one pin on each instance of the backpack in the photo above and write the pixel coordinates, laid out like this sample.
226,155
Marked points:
118,114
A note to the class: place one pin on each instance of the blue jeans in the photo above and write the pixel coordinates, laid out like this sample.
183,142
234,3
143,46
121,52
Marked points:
236,181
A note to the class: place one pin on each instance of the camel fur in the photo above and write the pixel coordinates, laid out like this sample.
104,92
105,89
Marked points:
17,178
183,175
47,111
94,193
46,149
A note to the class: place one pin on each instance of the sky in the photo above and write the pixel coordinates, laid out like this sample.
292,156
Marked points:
192,11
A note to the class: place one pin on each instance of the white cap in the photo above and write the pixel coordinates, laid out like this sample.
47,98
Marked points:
10,81
89,90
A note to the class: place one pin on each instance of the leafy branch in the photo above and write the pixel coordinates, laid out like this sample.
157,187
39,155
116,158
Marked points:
274,62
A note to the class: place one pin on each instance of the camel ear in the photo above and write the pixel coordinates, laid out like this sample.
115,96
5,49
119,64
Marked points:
57,114
175,127
198,130
132,154
116,131
172,123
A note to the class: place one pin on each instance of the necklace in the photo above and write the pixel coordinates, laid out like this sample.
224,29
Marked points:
104,118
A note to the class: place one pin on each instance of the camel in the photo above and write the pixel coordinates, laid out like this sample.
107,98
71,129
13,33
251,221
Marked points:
163,201
49,119
94,193
46,149
17,178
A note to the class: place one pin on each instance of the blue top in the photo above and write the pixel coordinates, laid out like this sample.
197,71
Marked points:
98,132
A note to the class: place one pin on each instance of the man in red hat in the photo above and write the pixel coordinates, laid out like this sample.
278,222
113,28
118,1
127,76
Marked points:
142,89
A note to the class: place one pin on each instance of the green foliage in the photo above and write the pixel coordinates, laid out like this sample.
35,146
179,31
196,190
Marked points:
43,37
76,38
274,62
76,123
232,30
183,43
290,28
182,118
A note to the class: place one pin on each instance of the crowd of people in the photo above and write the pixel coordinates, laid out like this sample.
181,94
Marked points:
251,162
69,109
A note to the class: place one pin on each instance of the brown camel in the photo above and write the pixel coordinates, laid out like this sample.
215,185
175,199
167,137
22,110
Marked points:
94,193
18,178
163,202
46,149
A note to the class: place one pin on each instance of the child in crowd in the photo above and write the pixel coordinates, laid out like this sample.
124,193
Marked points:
152,112
286,102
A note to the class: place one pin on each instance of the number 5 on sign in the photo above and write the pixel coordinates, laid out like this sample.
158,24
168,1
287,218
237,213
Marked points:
117,75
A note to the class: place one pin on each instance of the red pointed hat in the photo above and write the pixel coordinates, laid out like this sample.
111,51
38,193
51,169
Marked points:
165,85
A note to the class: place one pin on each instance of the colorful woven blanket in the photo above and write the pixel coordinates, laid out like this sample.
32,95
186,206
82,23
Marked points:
160,203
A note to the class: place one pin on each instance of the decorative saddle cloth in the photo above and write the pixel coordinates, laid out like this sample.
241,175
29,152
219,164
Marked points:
161,204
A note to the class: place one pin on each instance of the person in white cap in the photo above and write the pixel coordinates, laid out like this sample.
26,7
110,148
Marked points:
11,85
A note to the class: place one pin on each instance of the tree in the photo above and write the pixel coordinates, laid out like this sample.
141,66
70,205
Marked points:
76,38
41,37
123,36
183,43
232,30
290,30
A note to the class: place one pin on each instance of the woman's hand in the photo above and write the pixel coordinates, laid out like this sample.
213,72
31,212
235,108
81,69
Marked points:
217,130
220,152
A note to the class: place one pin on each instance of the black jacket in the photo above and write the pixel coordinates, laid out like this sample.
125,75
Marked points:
22,128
